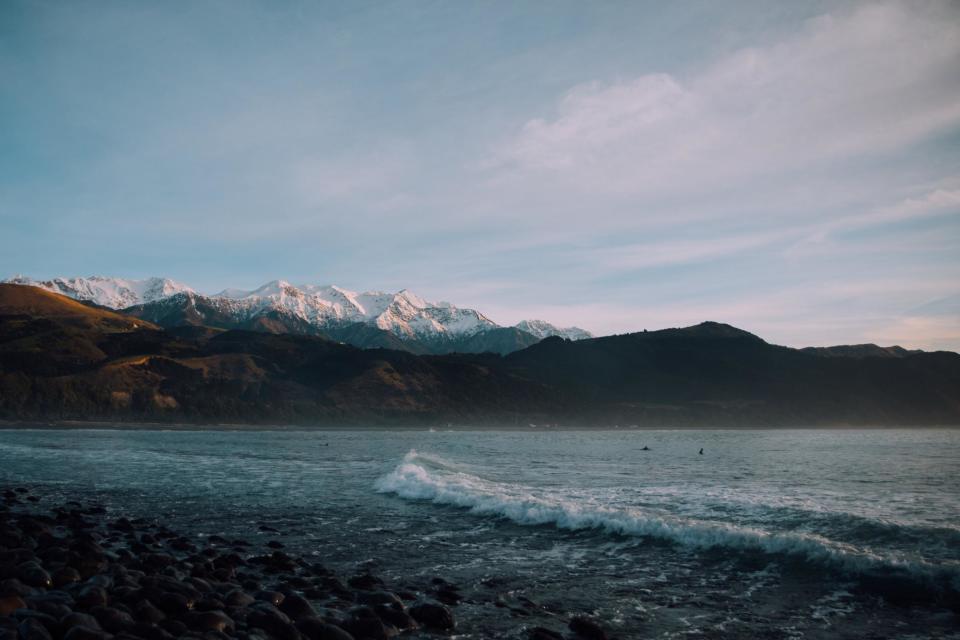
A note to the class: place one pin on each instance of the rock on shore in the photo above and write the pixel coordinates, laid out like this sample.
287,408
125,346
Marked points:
73,573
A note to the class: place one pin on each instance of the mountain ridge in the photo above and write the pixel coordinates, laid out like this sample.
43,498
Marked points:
61,360
279,306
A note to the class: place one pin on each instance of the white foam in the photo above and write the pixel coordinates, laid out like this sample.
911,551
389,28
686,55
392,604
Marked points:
425,477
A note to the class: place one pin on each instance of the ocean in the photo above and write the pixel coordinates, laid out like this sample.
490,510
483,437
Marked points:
766,534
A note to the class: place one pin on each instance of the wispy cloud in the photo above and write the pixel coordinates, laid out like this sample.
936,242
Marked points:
848,84
795,173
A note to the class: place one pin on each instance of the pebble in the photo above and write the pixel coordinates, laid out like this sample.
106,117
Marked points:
587,628
33,629
9,604
432,615
72,574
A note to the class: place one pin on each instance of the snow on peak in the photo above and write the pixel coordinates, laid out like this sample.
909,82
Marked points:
275,288
115,293
542,329
403,313
413,299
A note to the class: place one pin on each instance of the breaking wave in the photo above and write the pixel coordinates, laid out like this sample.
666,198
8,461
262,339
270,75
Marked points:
430,478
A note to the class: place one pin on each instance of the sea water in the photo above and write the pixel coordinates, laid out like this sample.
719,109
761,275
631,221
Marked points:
767,533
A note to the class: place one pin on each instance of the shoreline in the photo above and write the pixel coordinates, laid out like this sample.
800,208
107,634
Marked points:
105,425
80,574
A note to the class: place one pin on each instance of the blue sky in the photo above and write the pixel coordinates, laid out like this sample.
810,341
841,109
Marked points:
790,168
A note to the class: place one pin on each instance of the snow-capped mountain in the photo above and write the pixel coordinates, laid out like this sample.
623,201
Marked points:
542,329
404,313
280,307
116,293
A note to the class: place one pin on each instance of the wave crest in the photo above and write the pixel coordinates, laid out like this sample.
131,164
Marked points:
430,478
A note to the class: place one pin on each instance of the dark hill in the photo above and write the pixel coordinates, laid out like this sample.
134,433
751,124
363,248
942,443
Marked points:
63,360
717,374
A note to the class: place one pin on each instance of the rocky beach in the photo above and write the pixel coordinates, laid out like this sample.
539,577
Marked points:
73,571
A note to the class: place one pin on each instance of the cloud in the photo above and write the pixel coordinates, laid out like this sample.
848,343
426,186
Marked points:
919,332
846,86
588,164
680,252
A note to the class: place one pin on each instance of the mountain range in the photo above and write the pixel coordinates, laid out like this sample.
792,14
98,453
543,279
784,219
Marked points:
61,359
401,320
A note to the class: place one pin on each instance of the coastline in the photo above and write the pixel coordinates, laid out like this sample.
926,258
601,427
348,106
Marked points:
82,574
108,425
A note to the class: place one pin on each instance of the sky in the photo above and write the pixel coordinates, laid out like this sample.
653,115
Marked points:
792,169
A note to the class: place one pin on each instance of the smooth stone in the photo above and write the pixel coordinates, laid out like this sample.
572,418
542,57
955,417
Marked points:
174,603
51,608
65,576
112,619
173,627
33,629
211,621
223,574
378,597
33,575
13,587
47,620
201,585
101,580
542,633
238,598
587,628
299,582
396,617
317,629
121,524
53,595
369,629
150,632
90,565
127,595
273,597
209,603
92,596
273,621
296,607
366,582
182,544
76,619
85,633
163,584
156,562
334,586
435,616
9,604
145,611
53,554
448,595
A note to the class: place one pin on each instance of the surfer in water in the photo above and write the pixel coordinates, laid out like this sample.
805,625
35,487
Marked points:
645,448
701,450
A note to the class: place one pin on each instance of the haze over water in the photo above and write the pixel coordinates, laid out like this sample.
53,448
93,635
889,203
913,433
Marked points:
778,533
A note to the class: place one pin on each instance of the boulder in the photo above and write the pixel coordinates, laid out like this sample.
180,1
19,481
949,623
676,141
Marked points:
433,615
296,607
317,629
9,604
587,628
32,629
